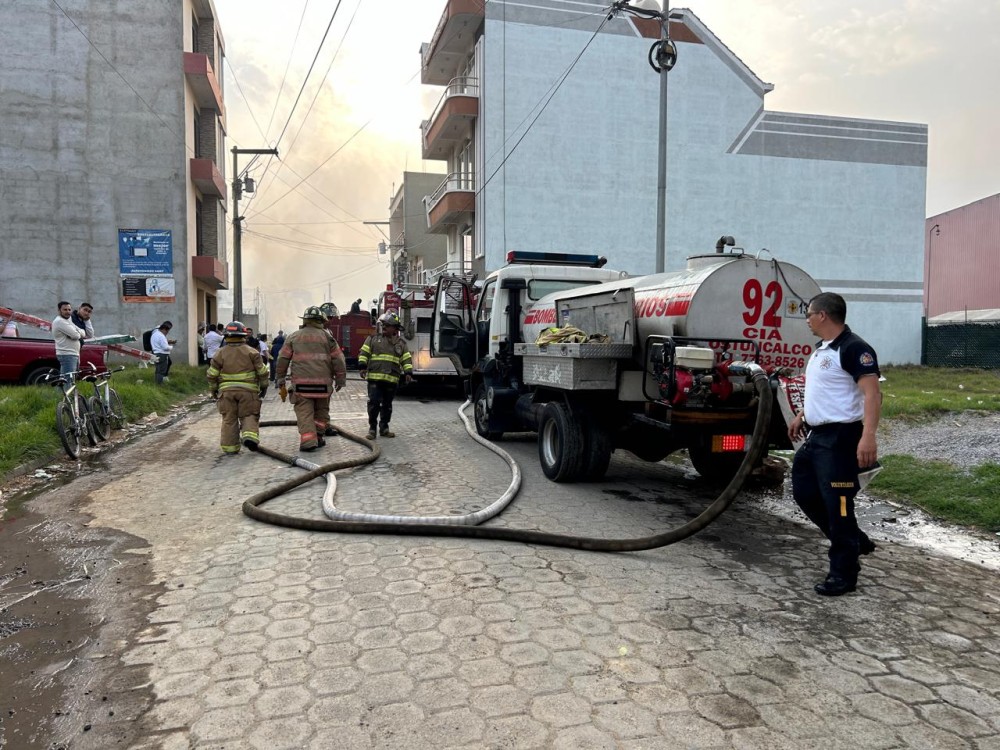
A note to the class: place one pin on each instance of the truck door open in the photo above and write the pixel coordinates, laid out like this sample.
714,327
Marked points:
453,333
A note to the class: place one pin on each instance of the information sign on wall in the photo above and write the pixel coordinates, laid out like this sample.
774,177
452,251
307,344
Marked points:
146,265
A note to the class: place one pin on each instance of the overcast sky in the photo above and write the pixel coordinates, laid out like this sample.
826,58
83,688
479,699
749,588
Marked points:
903,60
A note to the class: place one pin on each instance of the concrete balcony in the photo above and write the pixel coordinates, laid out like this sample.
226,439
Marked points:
452,120
210,270
207,92
206,177
454,202
452,43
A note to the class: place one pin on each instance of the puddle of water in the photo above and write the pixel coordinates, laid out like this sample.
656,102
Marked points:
911,526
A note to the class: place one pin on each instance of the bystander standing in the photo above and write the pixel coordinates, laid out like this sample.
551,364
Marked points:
162,347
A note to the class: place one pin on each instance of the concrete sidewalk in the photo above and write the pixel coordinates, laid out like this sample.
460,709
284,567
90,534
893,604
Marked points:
265,637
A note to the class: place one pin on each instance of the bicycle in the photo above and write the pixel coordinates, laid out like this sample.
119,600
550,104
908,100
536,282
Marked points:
72,414
106,410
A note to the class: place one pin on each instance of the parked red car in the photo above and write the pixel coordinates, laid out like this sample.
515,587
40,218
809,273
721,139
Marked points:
29,361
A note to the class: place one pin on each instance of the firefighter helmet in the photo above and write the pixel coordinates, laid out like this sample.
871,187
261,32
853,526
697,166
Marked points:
329,309
235,329
390,319
313,313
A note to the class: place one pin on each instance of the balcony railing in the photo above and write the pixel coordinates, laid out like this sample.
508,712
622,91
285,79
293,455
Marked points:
458,106
456,181
448,268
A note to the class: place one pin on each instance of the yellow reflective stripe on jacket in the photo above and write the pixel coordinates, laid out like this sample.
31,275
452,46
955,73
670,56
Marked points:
383,376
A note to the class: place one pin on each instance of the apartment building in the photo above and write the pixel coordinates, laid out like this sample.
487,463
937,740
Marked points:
547,124
418,256
112,163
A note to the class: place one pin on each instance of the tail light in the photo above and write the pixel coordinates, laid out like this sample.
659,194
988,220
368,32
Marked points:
730,443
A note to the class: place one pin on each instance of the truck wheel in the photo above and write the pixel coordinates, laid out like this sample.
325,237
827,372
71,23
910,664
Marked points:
717,468
39,374
561,444
482,411
598,453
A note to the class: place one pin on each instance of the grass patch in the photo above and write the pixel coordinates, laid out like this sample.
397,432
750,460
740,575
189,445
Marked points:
913,393
944,491
28,413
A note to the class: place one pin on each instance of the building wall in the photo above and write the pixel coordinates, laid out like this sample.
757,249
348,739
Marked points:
963,258
408,218
840,197
82,156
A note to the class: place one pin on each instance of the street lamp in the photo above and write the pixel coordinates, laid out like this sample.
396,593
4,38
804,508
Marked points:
933,232
662,57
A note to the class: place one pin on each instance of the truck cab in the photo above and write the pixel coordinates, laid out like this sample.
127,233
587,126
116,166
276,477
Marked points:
475,325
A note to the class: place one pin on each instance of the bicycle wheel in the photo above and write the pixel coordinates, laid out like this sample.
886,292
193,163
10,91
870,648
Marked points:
86,421
100,418
117,410
66,425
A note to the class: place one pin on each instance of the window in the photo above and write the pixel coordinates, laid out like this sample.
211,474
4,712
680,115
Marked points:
486,302
197,135
199,231
538,288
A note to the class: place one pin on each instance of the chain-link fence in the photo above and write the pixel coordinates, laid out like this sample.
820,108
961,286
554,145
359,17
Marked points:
962,345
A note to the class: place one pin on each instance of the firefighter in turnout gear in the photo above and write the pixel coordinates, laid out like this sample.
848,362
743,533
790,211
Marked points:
382,360
318,368
238,378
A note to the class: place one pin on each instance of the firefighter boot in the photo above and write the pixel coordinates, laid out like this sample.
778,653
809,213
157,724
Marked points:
330,431
386,432
371,434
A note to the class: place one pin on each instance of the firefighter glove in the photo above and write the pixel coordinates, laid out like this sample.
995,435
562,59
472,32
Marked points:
408,379
283,392
262,393
215,395
337,387
363,373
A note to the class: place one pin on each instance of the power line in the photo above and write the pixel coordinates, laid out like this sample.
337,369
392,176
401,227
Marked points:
319,88
308,73
288,64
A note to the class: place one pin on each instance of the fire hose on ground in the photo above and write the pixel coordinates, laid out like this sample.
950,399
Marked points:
469,525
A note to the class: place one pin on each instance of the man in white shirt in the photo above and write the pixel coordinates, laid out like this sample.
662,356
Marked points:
67,337
161,348
213,340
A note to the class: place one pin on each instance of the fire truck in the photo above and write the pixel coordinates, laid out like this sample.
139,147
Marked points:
414,304
349,329
657,363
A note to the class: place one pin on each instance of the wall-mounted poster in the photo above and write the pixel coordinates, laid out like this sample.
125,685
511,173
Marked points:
146,262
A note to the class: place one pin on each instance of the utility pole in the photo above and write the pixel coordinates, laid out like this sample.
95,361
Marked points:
238,226
662,58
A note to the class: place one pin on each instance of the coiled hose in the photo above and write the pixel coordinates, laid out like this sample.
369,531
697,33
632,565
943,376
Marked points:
434,526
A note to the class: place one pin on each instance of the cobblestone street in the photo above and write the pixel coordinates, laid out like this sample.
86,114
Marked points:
264,637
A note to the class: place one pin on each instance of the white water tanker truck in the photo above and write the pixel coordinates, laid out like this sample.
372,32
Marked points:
661,365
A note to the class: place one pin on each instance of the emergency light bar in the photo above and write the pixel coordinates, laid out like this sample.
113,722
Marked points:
556,259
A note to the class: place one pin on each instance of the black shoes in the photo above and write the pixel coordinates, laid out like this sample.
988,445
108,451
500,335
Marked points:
250,443
330,432
835,586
